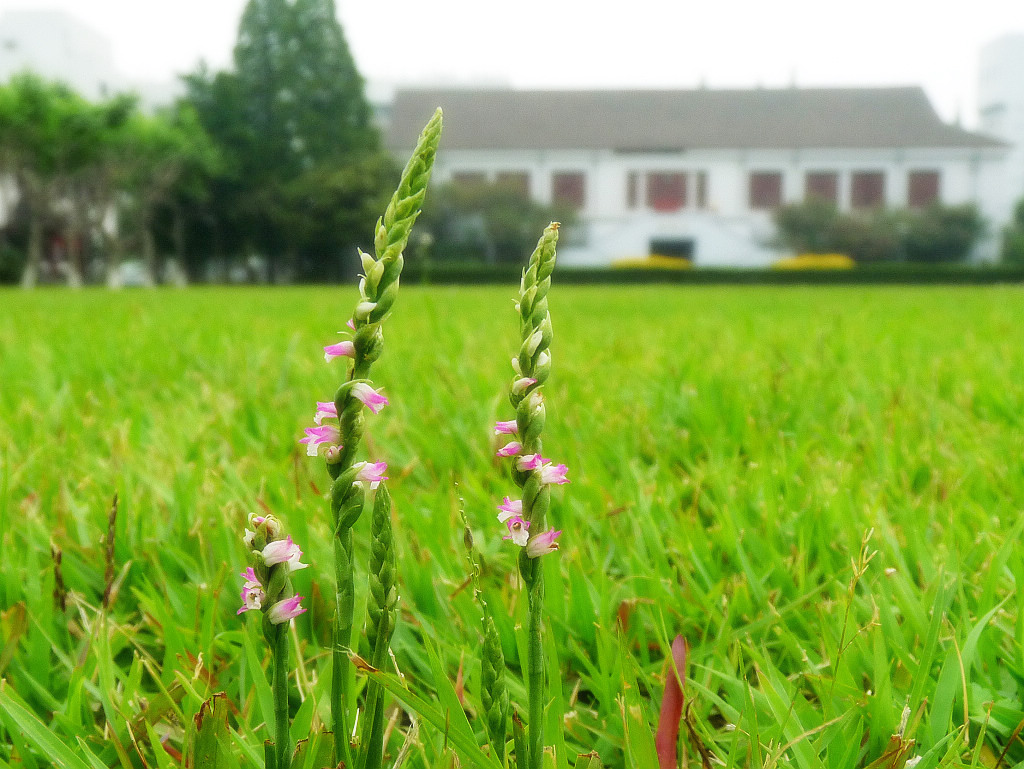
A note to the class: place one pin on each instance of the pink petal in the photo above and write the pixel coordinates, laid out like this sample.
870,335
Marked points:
346,349
372,399
510,449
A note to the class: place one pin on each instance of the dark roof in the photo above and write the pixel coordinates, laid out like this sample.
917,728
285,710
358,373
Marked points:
646,120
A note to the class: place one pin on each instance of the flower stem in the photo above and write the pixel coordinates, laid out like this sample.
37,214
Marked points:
282,738
535,666
342,669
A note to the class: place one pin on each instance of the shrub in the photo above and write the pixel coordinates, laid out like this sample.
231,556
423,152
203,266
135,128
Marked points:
491,222
807,227
1013,237
937,233
942,233
873,237
12,262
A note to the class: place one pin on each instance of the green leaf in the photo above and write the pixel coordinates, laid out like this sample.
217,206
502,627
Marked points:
455,728
211,726
20,718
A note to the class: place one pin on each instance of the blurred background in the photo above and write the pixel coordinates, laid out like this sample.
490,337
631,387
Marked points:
158,142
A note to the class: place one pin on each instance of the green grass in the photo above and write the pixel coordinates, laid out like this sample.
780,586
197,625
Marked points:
821,489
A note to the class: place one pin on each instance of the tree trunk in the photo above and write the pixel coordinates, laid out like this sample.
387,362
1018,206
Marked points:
114,254
73,236
177,274
30,276
150,253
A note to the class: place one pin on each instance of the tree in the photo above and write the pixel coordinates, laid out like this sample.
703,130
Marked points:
490,222
53,144
292,111
160,153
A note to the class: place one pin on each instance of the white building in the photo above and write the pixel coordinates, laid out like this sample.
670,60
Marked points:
1001,110
698,173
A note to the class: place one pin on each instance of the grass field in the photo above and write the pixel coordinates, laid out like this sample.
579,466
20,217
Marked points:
821,489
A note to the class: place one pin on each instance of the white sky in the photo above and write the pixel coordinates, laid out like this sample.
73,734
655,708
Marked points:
578,43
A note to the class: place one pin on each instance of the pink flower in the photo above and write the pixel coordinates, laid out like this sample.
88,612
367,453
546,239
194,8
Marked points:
370,472
284,551
542,544
510,449
506,428
346,349
553,474
530,462
372,399
510,507
252,592
325,410
282,611
351,324
517,530
315,436
522,384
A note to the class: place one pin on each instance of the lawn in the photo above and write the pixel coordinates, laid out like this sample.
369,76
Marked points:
821,489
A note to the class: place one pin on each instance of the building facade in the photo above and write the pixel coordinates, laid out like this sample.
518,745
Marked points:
699,173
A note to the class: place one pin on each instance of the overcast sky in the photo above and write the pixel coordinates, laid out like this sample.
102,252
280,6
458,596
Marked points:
572,43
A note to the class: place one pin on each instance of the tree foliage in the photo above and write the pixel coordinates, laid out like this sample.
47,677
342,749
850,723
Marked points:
87,173
290,116
937,233
1013,237
494,222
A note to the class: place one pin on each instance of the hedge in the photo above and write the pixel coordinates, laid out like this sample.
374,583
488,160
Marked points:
896,273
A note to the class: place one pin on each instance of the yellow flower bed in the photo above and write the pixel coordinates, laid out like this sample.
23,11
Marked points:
815,262
653,262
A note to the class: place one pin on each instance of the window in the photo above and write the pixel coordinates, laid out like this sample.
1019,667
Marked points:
469,178
765,189
822,185
514,180
569,188
922,188
666,191
702,190
632,189
867,189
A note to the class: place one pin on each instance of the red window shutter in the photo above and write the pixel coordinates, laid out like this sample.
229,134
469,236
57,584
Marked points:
867,189
666,191
922,188
765,190
822,185
514,180
569,188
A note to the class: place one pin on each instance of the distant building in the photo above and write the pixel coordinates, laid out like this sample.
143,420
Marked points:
1001,109
699,172
59,46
